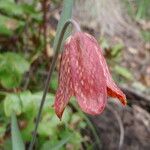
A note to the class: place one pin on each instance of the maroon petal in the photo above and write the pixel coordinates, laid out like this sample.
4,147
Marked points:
87,74
112,88
65,90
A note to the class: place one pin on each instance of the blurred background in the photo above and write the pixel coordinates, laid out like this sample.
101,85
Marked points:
27,32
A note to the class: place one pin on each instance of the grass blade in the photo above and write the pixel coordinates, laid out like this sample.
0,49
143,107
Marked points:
65,15
17,142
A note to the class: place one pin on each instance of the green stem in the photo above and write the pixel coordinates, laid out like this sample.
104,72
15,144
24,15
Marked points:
46,87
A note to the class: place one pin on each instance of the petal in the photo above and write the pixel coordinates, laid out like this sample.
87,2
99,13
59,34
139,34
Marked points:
112,88
65,90
87,74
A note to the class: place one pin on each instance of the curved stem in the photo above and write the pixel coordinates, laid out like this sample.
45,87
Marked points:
120,126
46,87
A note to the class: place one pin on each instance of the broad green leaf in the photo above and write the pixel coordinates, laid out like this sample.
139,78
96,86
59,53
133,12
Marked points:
17,142
26,102
50,121
5,31
10,80
12,104
65,15
29,10
12,67
10,7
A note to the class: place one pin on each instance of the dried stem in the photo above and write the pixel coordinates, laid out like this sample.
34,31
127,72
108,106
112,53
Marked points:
46,87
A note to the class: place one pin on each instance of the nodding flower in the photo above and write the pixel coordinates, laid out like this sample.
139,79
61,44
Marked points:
84,74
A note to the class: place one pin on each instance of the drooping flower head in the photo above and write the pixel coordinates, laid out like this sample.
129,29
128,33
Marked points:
84,74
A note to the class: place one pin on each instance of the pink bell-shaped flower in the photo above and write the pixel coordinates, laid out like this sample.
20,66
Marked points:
84,74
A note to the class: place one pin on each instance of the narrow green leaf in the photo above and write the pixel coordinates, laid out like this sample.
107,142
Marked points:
124,72
56,145
65,15
61,143
17,142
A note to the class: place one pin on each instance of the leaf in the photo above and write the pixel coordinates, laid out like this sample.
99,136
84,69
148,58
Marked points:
26,102
7,144
5,31
12,104
61,143
17,142
65,15
2,130
12,68
55,145
116,49
10,7
49,122
123,72
75,137
54,81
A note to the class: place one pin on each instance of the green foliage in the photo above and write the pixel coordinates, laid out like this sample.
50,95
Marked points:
17,142
139,9
124,72
12,104
19,11
146,35
26,104
13,66
54,82
3,28
143,11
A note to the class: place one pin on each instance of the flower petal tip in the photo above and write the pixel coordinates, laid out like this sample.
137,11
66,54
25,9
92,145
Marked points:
124,102
122,99
59,114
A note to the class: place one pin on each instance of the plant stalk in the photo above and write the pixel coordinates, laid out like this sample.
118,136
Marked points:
46,87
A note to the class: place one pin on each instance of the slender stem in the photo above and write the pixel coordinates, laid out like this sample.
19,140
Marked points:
49,78
120,126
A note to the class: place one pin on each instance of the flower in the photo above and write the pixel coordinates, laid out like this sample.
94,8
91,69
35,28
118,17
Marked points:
84,74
